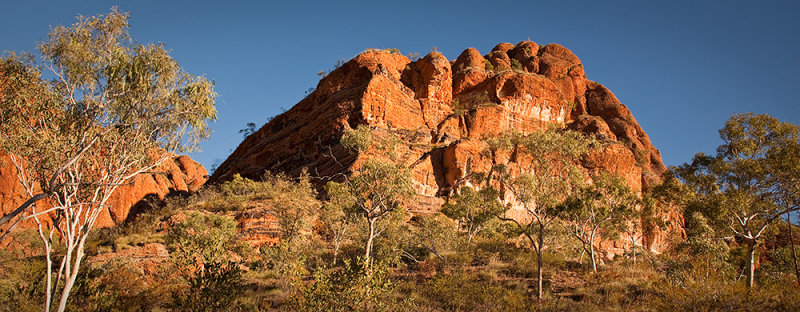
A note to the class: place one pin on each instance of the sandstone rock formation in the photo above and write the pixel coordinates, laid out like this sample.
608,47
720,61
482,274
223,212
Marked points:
180,174
442,110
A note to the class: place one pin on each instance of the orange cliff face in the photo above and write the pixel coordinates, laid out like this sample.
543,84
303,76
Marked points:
442,110
179,174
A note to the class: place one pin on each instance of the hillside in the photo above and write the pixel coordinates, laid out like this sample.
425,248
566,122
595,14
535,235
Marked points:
443,111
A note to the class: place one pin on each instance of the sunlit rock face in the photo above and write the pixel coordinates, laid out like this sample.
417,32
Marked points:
442,110
179,174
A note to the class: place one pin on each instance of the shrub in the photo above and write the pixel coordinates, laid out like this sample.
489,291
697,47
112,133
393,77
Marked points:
458,108
349,289
213,288
516,65
488,65
201,245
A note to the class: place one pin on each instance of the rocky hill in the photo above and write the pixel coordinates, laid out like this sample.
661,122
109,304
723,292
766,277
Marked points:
442,110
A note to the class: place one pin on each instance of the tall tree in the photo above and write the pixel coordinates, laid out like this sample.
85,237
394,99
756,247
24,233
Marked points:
111,109
605,205
751,182
376,189
546,173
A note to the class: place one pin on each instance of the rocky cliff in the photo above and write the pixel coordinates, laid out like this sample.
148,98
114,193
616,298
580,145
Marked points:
442,110
180,174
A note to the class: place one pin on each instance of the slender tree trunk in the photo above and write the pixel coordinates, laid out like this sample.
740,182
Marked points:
472,234
368,249
70,278
751,262
794,255
335,251
48,295
539,290
591,250
632,240
540,262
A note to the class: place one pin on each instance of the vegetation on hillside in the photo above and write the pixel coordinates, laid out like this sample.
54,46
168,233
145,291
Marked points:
466,258
285,243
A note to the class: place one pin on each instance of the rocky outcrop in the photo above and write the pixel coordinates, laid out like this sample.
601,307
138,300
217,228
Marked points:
179,174
442,110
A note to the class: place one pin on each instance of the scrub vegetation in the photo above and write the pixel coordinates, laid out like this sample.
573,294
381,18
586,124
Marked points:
114,108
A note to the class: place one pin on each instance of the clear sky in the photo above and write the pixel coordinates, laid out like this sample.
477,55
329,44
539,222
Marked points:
682,67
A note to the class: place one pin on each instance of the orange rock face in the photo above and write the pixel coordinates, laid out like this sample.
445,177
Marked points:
442,110
180,174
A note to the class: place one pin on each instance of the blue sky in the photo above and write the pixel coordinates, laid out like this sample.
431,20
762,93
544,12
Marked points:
682,67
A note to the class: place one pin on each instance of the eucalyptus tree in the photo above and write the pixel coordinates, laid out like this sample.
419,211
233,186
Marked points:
473,209
377,188
88,113
604,205
751,182
546,174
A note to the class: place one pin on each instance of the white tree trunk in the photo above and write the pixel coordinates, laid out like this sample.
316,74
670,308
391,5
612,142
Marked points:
751,263
591,250
368,248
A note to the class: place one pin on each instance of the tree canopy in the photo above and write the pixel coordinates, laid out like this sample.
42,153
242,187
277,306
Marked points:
85,115
750,183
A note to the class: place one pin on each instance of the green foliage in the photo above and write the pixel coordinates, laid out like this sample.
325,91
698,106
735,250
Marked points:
516,65
604,207
749,184
377,189
215,288
458,108
293,203
435,234
201,244
550,174
240,186
547,174
488,65
358,140
349,289
202,235
113,109
642,156
473,209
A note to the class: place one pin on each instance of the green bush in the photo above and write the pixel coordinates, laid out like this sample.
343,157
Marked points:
216,287
349,289
488,65
201,245
516,65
